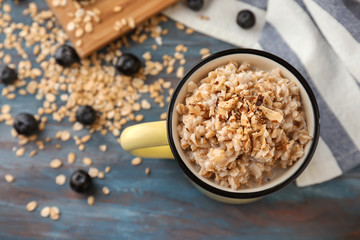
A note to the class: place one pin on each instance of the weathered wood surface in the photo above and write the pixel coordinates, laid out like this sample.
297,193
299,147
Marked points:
163,205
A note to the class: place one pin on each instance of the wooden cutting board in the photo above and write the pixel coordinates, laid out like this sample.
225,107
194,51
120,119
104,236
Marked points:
102,21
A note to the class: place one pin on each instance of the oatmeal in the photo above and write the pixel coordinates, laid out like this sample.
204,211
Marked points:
238,124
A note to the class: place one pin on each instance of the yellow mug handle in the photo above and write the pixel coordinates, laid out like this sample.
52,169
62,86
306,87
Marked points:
147,140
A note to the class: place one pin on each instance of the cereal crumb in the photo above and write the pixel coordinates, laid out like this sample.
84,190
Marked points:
31,206
136,161
60,179
107,169
147,171
9,178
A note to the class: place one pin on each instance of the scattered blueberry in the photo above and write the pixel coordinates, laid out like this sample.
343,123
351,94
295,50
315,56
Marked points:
80,181
85,115
7,75
26,124
128,64
65,56
195,5
245,19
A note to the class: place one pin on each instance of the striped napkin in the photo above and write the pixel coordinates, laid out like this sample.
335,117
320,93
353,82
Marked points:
318,37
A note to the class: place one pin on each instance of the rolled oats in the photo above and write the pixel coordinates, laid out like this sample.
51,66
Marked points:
237,124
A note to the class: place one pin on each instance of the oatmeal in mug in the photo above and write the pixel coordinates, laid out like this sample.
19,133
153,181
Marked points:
238,124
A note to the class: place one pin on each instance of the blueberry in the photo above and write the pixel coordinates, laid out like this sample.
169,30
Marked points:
65,56
80,181
195,5
26,124
85,115
7,75
128,64
245,19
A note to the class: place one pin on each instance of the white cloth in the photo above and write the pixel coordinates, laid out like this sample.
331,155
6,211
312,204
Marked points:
318,37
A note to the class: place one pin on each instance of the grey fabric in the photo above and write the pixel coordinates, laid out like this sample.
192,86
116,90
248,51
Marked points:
331,130
262,4
343,15
353,6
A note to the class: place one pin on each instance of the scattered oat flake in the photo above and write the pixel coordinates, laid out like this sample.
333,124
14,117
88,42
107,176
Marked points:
31,206
91,200
204,51
85,138
65,136
45,212
60,179
93,172
163,116
78,126
107,169
54,213
117,8
20,152
87,161
103,148
71,157
56,163
136,161
33,153
106,190
101,175
147,171
9,178
145,104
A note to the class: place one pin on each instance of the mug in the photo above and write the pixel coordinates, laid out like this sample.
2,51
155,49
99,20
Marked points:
160,139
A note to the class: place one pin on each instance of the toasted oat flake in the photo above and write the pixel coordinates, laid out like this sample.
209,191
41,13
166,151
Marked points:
9,178
87,161
78,126
31,206
147,171
56,163
88,27
107,169
6,108
91,200
45,212
179,26
180,72
106,190
71,157
103,148
7,8
60,179
136,161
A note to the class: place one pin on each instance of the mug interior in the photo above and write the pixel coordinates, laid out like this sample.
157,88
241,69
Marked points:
258,62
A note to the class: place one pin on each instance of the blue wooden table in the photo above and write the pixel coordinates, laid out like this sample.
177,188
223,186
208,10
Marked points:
163,205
